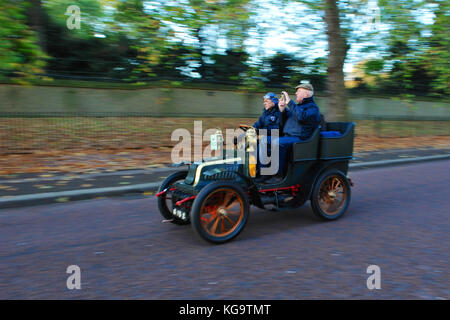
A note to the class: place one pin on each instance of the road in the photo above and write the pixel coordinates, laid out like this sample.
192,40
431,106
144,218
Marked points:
398,220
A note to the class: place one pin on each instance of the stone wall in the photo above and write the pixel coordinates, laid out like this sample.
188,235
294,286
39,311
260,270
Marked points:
189,102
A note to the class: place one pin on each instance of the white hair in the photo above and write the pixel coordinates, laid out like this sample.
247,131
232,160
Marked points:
310,92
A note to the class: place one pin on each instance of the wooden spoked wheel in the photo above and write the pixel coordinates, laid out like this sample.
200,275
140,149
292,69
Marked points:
332,195
221,212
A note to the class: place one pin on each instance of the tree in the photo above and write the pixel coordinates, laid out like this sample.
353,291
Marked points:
20,54
418,51
437,57
206,22
337,46
316,73
281,69
79,53
227,68
337,37
144,28
91,11
35,13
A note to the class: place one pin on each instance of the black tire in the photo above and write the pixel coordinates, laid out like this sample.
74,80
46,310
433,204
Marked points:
331,195
165,203
228,207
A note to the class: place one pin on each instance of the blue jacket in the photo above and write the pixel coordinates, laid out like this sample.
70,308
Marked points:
270,119
301,119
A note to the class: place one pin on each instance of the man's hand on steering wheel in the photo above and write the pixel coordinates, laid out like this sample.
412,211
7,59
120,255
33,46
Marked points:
244,128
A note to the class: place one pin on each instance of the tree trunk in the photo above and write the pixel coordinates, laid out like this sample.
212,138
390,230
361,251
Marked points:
35,21
337,47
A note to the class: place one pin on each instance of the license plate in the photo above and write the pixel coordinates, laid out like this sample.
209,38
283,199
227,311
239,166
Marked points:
179,214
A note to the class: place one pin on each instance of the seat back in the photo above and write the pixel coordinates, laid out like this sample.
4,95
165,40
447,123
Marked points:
307,149
323,123
338,147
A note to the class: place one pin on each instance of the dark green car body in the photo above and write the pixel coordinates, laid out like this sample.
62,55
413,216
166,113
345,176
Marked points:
215,195
307,161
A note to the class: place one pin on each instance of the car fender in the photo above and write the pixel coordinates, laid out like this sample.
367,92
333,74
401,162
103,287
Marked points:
323,166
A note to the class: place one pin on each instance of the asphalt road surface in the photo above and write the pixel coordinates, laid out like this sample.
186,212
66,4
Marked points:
398,220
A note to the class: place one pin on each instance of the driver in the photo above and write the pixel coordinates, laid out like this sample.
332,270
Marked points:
271,117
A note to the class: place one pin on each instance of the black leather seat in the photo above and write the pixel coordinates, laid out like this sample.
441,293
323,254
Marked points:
307,149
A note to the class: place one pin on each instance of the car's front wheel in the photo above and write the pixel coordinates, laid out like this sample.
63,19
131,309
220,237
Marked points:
220,212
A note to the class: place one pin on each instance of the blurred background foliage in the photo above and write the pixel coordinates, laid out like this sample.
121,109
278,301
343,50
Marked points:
224,42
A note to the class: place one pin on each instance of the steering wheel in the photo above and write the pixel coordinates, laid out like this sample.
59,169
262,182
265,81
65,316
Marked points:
244,127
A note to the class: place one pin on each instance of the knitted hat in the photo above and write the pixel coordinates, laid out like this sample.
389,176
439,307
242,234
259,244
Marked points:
272,96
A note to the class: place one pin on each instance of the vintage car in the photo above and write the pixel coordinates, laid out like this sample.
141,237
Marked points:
215,195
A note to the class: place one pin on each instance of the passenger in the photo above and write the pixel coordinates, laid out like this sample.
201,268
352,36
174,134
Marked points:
300,122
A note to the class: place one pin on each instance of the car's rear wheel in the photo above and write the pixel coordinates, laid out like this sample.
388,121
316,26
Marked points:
165,200
220,212
331,195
